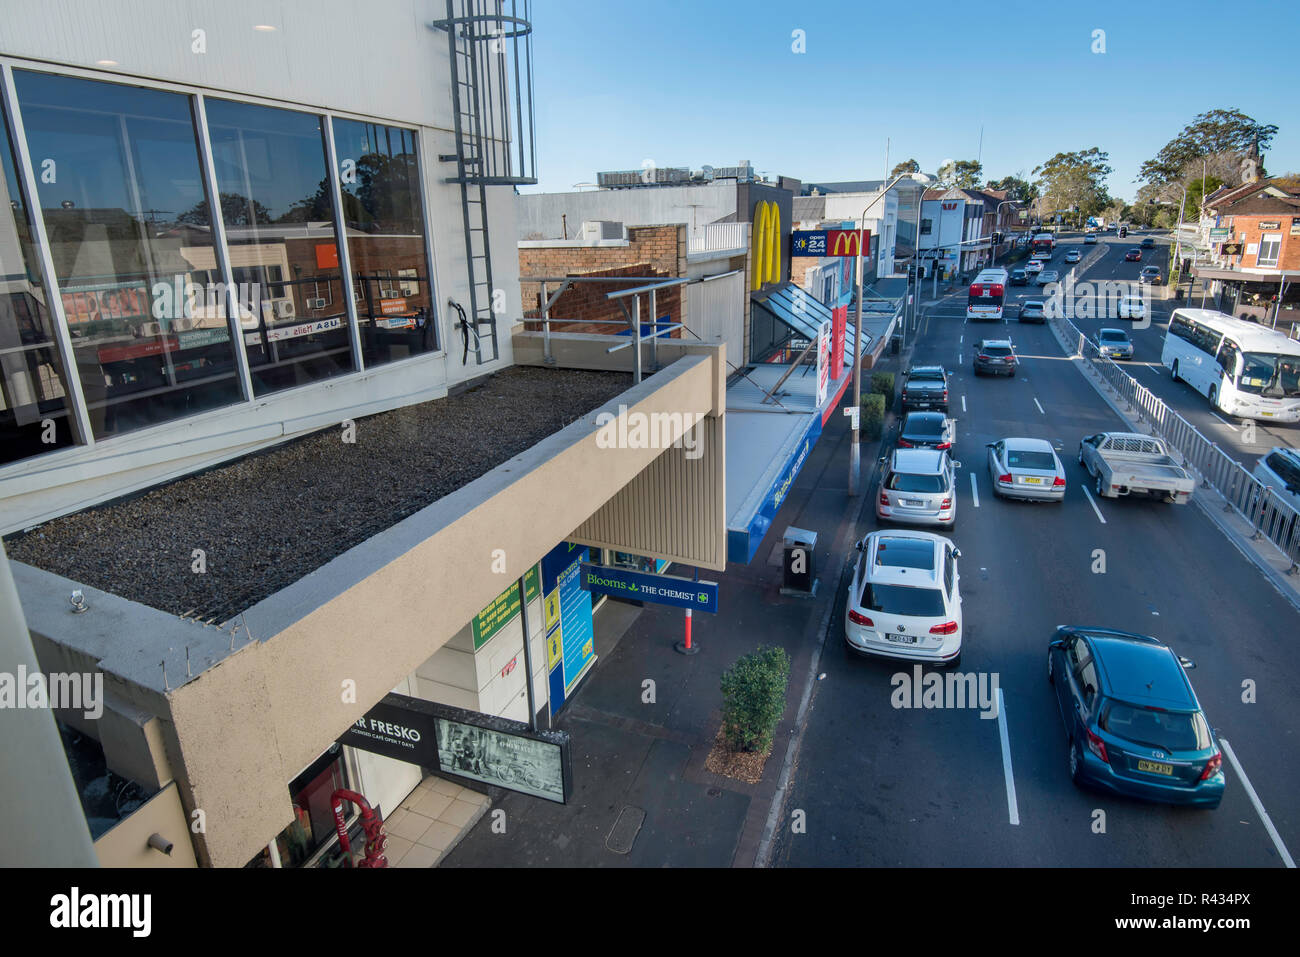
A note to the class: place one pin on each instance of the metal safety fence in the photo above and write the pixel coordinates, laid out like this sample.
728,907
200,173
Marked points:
1269,516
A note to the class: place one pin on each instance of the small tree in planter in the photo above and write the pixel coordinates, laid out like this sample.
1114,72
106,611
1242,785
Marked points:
872,425
753,698
882,383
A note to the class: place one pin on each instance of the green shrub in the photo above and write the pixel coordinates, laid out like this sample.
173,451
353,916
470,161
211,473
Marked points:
882,383
873,416
753,698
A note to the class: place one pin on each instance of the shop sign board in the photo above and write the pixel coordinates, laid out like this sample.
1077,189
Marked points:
502,610
466,744
657,589
567,619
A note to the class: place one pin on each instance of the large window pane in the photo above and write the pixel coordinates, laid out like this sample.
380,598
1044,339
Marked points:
278,213
34,413
117,167
379,173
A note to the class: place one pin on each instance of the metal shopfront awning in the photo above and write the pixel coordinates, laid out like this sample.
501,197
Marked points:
803,313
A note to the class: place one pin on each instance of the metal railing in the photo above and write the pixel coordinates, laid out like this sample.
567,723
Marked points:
1269,517
717,236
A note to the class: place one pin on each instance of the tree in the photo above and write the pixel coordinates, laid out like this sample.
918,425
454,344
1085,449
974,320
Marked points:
961,174
907,166
1216,131
236,210
1075,182
1021,190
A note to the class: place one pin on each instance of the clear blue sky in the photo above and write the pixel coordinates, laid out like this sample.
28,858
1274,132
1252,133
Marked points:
692,83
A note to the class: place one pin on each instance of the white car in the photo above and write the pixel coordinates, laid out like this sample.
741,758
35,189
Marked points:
1131,307
905,598
1073,256
1280,471
1034,267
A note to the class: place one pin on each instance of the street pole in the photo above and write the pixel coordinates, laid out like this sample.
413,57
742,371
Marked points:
855,453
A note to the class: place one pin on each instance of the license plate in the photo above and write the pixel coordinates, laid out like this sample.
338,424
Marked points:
913,503
1267,413
911,640
1155,767
1032,481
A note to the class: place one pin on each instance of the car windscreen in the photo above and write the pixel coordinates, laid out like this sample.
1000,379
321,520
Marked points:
1033,307
924,382
923,425
1270,375
911,482
996,351
1118,337
1028,459
1170,730
903,600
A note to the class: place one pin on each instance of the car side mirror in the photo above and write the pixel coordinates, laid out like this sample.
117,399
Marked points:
858,546
1058,643
956,465
1187,663
989,445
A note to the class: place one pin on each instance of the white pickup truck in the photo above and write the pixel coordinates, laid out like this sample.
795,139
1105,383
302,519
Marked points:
1129,463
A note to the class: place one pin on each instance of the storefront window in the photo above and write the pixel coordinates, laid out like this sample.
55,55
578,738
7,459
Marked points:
313,825
34,413
117,167
278,211
379,173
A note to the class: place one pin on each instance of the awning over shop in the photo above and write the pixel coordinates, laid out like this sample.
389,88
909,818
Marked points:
767,446
804,313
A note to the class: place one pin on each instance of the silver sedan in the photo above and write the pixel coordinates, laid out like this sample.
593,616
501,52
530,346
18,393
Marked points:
1026,468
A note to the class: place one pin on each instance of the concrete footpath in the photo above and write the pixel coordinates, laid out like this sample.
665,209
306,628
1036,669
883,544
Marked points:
645,719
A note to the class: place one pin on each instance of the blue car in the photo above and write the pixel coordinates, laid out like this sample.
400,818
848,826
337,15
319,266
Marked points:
1133,722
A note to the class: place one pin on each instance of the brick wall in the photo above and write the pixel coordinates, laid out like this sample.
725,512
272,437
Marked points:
651,251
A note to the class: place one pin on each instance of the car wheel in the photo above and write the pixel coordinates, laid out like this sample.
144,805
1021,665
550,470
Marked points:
1174,371
1076,766
1214,397
1097,484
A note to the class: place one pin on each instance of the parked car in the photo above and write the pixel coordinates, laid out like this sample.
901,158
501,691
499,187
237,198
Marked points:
1133,723
1280,471
1031,310
1115,344
924,387
1134,255
905,598
997,356
926,430
1018,278
1129,463
1034,267
1026,468
1048,276
918,487
1131,307
1149,274
1073,255
1090,239
1147,243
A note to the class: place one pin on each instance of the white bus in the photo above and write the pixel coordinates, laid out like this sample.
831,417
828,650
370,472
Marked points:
987,293
1244,369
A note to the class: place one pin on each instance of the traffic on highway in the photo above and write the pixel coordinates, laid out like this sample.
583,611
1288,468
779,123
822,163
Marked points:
1144,706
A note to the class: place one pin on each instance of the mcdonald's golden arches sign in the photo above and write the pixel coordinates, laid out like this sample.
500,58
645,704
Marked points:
765,245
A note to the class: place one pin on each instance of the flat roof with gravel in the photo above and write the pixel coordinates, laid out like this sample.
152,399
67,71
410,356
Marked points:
271,518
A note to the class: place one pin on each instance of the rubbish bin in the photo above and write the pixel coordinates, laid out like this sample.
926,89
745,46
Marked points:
798,568
1178,293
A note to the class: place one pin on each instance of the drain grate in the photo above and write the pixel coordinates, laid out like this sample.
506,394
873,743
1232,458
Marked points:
623,834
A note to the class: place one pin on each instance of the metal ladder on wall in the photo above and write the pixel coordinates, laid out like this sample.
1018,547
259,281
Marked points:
482,41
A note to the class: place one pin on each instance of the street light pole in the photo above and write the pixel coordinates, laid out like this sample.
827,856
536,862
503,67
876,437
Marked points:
993,248
855,453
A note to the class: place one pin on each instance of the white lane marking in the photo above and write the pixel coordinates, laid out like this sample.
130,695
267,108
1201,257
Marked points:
1012,809
1039,404
963,405
1153,369
975,489
1224,421
1101,518
1254,799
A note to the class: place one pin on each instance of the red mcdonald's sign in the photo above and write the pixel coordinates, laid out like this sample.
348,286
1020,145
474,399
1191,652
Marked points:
844,242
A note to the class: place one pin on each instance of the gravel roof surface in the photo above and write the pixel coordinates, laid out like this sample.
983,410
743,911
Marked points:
271,518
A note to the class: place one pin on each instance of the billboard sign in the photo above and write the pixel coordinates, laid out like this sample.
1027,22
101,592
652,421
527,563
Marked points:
656,589
804,242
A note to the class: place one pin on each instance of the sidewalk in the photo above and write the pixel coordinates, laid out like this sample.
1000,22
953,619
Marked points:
641,796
